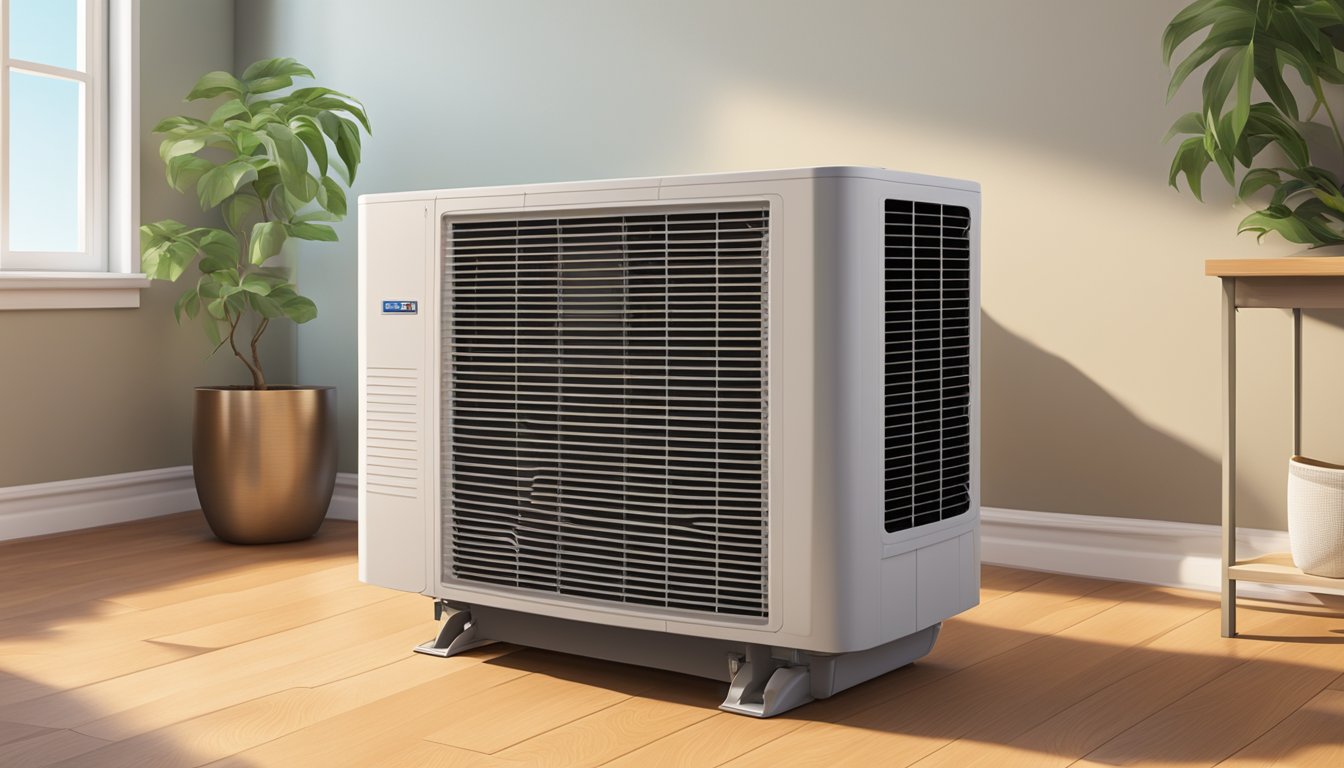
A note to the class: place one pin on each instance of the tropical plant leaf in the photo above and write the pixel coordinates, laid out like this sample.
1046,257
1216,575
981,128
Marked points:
291,156
213,84
268,237
1256,180
256,284
348,148
306,231
184,171
300,309
239,209
217,184
219,244
188,304
332,198
266,306
227,111
277,67
310,133
1191,159
1279,219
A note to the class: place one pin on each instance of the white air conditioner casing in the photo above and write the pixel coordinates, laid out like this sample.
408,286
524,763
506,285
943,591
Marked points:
724,424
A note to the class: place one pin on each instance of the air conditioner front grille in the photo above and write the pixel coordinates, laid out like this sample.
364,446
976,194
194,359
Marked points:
928,363
605,429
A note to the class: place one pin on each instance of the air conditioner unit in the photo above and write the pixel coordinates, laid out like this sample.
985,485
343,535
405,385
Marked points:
725,424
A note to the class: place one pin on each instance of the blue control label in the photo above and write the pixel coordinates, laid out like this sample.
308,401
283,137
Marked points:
400,307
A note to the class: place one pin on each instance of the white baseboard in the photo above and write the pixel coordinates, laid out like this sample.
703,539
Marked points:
1149,551
88,502
1187,555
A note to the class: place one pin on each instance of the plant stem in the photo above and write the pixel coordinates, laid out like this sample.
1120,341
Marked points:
261,328
258,380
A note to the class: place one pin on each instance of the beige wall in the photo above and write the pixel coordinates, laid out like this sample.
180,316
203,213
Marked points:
1101,334
95,392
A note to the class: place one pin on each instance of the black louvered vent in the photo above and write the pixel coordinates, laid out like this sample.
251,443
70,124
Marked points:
605,426
928,365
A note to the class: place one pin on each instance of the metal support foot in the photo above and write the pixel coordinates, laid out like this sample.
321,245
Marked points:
457,634
763,686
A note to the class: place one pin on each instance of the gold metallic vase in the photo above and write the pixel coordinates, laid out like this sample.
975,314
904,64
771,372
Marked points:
265,461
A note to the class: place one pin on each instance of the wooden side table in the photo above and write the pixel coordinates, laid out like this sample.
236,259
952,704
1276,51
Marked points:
1288,283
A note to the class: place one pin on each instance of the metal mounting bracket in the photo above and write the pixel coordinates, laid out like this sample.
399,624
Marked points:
457,634
764,686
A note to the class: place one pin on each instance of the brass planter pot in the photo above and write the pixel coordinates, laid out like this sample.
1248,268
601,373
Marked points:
264,461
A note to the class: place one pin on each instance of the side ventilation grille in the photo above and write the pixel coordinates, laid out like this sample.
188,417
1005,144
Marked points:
392,420
604,429
928,363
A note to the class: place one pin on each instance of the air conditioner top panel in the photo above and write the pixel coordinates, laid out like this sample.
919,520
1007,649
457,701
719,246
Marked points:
833,171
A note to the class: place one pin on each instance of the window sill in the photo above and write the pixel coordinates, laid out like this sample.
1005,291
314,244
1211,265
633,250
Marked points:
70,290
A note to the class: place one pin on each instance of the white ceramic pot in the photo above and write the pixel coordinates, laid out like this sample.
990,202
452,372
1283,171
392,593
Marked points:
1316,516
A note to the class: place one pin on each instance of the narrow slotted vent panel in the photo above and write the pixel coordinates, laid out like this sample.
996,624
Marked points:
928,363
605,432
392,423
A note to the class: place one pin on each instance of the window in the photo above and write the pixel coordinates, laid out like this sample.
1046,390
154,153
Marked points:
67,154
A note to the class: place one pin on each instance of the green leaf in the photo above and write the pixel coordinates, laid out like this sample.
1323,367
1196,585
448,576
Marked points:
1190,20
187,304
1277,219
1190,122
331,197
268,237
1228,32
1220,79
1241,103
277,67
1257,179
215,308
256,284
1266,121
292,157
228,110
312,232
1334,201
212,332
348,147
219,244
169,262
177,121
1269,73
310,133
222,181
175,147
299,309
269,84
266,306
185,171
1191,159
238,209
211,264
213,84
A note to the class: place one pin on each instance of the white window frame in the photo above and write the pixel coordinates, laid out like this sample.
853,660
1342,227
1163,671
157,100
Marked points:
106,274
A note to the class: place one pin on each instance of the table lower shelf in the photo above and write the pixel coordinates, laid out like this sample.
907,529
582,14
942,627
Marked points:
1278,568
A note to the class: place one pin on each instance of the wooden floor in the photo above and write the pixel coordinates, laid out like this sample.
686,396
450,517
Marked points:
149,644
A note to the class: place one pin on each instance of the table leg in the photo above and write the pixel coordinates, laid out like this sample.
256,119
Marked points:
1229,585
1297,382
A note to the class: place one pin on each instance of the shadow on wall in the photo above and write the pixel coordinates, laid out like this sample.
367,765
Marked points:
1035,406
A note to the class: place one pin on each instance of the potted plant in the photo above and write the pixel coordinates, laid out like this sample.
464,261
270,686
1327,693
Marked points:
275,161
1250,42
1264,149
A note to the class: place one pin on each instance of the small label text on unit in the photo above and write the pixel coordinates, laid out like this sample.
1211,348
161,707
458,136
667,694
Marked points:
397,307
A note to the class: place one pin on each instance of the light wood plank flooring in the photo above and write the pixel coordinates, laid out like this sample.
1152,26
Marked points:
149,644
